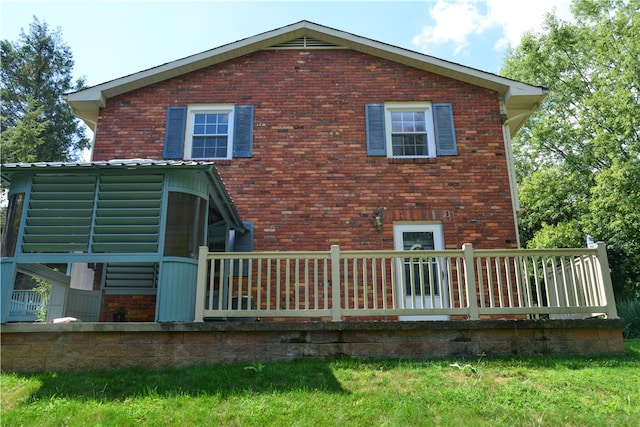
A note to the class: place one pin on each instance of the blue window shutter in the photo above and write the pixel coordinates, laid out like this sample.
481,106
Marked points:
243,131
445,131
376,138
174,133
243,243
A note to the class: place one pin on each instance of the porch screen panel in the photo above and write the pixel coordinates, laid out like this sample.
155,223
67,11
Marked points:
186,218
122,275
128,210
59,213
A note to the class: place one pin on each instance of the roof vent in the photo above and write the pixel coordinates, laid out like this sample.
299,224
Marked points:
305,43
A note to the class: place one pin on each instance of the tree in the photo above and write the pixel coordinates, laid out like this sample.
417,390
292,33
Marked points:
578,158
35,122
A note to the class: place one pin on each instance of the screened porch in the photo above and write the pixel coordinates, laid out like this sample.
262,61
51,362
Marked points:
107,235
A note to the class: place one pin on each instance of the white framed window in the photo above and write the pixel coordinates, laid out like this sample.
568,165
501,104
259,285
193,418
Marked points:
409,129
209,132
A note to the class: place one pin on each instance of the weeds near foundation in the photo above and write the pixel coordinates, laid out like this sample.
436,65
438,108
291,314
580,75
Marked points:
257,367
469,368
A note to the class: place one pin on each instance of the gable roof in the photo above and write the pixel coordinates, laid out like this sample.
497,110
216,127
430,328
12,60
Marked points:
518,99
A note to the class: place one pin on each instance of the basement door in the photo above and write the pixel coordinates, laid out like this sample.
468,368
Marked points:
421,281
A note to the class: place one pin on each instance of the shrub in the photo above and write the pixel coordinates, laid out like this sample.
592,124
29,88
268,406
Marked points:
629,311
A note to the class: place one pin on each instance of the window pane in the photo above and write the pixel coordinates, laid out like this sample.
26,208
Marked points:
198,142
186,219
422,271
211,124
408,133
12,224
407,116
409,145
208,147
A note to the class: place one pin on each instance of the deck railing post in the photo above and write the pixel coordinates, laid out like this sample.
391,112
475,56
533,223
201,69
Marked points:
603,262
336,306
201,284
470,281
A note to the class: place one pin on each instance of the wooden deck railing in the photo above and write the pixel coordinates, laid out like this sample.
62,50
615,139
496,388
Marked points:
25,305
461,284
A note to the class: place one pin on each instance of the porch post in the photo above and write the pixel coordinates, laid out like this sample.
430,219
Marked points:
336,306
8,272
605,277
201,284
470,281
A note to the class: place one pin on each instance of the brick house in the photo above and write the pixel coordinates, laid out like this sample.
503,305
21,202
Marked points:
318,136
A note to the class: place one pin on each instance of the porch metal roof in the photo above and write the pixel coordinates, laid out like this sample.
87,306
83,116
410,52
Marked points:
114,163
209,168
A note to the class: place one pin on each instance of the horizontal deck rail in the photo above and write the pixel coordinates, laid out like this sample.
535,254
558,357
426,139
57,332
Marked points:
25,305
466,284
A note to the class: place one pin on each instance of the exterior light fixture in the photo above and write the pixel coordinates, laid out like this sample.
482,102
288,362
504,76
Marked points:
377,219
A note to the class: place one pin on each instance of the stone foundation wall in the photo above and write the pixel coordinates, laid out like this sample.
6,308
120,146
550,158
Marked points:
63,347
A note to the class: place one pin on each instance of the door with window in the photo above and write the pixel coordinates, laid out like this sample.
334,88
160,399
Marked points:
421,281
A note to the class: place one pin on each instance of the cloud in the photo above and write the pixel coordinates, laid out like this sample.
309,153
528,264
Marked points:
457,21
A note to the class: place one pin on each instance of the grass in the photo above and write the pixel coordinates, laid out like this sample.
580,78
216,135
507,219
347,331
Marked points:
544,391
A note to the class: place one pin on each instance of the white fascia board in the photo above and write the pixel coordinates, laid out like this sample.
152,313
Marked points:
411,58
98,94
521,101
182,66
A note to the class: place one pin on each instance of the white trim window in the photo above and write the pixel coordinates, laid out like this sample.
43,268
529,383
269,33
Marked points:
410,130
209,133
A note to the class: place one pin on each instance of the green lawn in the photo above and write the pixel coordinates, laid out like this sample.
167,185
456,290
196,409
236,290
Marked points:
547,391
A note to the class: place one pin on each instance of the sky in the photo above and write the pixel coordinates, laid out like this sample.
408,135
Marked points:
112,39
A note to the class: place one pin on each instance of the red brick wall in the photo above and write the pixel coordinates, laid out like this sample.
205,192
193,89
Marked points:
128,308
310,183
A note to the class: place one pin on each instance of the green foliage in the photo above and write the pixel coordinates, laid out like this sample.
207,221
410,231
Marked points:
629,311
554,198
35,122
44,289
578,158
21,142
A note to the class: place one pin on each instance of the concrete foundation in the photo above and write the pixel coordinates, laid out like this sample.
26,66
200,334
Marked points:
74,346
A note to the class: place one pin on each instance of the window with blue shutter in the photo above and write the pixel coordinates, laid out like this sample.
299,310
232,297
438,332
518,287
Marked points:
444,130
207,132
174,133
376,139
243,131
410,130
